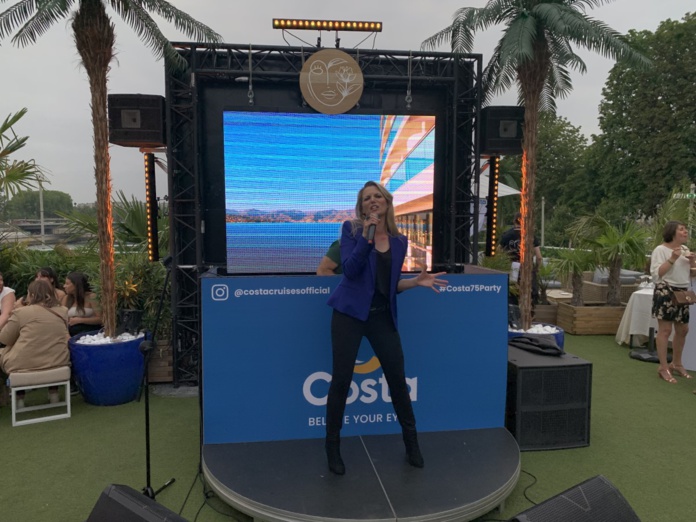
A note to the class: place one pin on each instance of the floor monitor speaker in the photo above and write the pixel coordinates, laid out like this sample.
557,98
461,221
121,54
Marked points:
595,500
548,400
501,130
123,504
137,120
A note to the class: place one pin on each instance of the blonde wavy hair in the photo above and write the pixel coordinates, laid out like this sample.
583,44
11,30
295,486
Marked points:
357,223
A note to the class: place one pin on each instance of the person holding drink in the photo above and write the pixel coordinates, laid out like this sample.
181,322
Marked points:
672,266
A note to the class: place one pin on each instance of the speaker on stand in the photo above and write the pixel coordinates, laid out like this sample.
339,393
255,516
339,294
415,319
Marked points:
501,130
137,120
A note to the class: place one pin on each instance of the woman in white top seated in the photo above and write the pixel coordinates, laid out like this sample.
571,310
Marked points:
7,302
671,265
84,312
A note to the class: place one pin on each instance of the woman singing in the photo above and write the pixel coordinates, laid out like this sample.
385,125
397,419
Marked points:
364,303
671,267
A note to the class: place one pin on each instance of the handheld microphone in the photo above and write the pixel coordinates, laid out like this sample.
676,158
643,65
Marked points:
371,230
371,233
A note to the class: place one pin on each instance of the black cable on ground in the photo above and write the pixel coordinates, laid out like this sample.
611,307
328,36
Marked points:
524,492
525,489
188,494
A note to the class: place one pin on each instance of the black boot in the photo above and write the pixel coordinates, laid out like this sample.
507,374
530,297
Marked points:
413,452
333,455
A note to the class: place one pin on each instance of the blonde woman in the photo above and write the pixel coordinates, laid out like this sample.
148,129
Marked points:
36,334
364,303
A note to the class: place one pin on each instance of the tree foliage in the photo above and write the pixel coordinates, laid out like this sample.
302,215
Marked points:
648,140
15,175
27,205
536,54
560,171
94,36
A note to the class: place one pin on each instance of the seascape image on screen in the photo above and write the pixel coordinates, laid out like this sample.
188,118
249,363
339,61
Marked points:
292,179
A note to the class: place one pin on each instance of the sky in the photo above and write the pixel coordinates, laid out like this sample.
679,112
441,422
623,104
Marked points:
47,79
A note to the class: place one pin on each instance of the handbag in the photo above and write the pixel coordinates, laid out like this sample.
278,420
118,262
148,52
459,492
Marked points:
684,297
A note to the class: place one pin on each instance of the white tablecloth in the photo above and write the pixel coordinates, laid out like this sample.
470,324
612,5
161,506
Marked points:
637,318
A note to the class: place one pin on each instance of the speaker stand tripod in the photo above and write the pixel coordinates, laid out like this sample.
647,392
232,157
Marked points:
146,348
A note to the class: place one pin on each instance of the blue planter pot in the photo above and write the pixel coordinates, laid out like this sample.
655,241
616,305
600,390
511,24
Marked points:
558,336
107,374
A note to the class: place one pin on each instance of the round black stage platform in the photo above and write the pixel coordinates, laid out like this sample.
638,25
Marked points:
467,474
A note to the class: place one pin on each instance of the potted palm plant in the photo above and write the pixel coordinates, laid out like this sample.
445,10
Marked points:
613,245
545,311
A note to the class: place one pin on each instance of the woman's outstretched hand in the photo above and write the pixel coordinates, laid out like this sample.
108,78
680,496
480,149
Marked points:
432,281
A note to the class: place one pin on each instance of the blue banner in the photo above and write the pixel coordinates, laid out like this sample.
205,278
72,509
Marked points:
267,359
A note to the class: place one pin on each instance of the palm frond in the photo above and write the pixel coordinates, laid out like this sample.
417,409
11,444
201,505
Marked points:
590,3
142,24
498,76
10,121
81,226
18,175
466,22
562,53
15,16
576,27
48,13
11,146
182,21
517,43
136,15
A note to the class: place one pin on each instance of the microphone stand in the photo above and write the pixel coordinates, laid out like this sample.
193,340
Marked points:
146,348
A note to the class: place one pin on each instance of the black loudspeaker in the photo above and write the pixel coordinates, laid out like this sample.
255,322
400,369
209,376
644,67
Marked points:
123,504
548,400
137,120
595,500
501,130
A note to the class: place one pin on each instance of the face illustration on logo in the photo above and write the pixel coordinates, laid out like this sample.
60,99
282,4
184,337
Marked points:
331,81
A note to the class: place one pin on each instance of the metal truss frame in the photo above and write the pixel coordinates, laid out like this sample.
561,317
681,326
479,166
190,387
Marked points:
455,214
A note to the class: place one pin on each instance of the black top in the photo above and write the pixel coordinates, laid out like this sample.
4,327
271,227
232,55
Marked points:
381,298
511,243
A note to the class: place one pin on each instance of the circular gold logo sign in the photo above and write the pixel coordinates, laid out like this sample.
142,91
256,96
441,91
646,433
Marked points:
331,81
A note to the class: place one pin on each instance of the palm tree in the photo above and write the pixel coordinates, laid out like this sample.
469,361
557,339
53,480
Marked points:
570,265
611,246
130,226
15,175
94,37
536,53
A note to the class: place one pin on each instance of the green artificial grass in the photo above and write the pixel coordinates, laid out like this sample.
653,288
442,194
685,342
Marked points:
641,439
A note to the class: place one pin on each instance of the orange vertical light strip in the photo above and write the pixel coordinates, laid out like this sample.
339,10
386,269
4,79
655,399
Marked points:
523,207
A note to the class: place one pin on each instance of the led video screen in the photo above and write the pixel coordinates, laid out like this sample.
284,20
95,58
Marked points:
291,179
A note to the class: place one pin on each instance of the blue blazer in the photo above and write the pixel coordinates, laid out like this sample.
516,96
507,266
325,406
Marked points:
353,295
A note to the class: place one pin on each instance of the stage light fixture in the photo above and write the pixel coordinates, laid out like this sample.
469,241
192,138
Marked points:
327,25
492,214
151,207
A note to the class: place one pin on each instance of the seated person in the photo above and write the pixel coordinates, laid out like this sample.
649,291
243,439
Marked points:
331,262
48,274
84,312
7,302
36,335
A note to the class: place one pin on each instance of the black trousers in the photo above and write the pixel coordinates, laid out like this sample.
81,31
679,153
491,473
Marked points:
346,335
